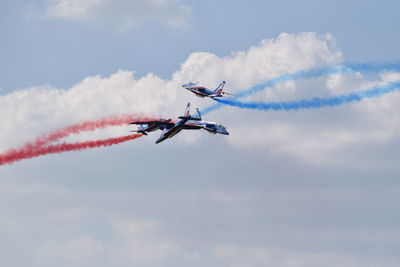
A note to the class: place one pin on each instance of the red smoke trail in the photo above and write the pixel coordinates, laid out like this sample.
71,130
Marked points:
26,152
87,126
42,145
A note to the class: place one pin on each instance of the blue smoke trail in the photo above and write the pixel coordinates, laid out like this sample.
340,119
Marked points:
374,67
315,102
308,74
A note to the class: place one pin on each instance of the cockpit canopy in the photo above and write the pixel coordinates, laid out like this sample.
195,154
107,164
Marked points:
191,84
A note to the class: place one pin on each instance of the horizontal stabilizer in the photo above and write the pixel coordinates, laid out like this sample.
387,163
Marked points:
190,118
139,131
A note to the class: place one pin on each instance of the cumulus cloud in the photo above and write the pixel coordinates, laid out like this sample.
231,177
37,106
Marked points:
313,135
316,136
287,53
124,14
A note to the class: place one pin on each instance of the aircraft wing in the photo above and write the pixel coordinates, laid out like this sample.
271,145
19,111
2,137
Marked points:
161,124
151,122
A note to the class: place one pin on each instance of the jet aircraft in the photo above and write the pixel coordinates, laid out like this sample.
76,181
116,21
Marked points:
202,91
186,122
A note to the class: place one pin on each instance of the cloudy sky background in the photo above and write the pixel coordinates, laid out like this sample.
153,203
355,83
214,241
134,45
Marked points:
304,188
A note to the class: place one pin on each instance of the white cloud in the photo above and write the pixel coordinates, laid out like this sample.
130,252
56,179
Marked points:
232,229
285,54
75,249
134,241
124,14
238,256
141,242
316,136
313,135
134,227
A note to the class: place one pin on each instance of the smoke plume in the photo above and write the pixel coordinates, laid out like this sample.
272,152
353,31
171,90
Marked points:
44,144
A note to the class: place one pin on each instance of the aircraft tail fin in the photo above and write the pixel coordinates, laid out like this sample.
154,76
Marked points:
197,116
219,89
140,130
187,112
187,115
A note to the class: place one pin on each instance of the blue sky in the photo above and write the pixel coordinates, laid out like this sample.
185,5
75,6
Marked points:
60,52
304,188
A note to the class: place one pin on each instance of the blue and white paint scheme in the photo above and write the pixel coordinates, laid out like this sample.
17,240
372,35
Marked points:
202,91
186,122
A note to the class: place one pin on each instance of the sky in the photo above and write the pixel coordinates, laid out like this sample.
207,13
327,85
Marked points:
313,187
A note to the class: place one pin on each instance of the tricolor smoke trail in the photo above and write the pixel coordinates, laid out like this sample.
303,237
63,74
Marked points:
307,74
314,102
43,144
